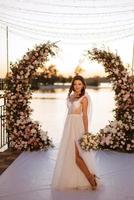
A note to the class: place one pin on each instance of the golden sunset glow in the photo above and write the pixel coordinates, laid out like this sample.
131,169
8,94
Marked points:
68,57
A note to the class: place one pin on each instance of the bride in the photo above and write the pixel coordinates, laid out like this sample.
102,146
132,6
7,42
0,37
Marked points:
74,168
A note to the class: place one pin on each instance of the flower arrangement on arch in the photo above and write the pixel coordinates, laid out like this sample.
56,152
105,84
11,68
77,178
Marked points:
118,134
25,134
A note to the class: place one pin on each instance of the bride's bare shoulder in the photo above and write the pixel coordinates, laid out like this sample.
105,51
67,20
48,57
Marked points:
84,100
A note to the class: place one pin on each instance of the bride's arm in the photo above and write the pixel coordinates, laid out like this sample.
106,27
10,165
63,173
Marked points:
84,110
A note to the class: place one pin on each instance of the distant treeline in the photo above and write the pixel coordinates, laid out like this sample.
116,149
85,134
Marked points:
54,80
51,76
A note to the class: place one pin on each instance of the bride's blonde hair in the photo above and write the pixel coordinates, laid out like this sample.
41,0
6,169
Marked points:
80,78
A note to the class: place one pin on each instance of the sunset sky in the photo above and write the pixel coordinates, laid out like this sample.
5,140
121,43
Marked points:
69,56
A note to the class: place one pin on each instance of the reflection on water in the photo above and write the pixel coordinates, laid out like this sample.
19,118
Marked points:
50,110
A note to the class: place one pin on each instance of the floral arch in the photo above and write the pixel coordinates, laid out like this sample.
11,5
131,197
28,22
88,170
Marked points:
118,134
25,134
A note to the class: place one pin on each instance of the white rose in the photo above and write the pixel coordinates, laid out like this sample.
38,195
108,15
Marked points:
26,76
31,66
105,130
124,79
18,77
108,140
33,131
18,122
122,142
83,144
114,123
112,61
120,122
44,137
118,133
35,63
117,63
114,130
10,101
116,71
45,54
21,72
26,57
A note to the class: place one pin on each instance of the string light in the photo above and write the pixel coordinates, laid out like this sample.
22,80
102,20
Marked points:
94,20
78,42
108,24
87,42
85,37
107,12
79,4
74,33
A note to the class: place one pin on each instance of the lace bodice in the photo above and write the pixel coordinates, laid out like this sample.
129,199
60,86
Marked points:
74,107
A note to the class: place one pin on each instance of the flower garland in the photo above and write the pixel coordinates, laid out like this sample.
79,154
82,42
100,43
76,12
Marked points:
119,134
24,134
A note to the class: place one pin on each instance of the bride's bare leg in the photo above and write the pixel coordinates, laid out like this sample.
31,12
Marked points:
81,164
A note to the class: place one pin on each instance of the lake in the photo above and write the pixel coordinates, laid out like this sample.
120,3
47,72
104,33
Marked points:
50,109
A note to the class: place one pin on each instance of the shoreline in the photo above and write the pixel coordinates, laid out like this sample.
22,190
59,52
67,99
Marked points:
51,87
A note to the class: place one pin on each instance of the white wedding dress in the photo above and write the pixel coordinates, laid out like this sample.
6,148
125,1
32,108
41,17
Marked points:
67,174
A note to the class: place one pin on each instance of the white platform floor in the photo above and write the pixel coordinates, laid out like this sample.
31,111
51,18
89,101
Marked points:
29,178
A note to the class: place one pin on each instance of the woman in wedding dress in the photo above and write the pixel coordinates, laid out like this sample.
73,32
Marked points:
74,167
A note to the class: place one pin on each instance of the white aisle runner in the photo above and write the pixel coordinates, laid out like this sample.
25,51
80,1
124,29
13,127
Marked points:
29,178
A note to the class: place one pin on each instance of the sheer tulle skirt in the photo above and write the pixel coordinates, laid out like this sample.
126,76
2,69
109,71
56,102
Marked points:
67,175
